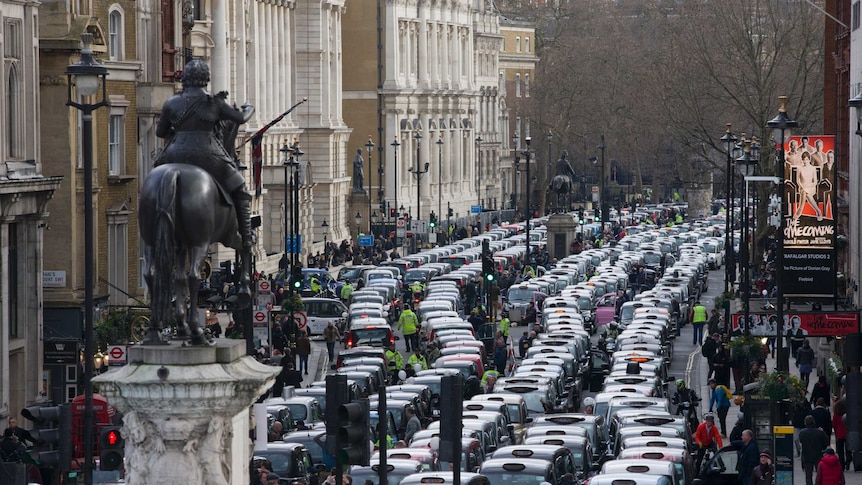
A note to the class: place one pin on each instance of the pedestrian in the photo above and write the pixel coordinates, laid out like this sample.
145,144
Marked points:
524,344
805,361
698,319
500,354
719,397
802,409
813,441
675,312
303,350
408,323
839,410
748,455
764,473
821,389
279,341
331,335
708,350
738,428
822,417
413,424
722,364
829,470
714,322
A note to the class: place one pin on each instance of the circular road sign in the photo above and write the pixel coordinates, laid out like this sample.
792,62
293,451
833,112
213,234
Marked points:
263,286
117,353
259,317
301,319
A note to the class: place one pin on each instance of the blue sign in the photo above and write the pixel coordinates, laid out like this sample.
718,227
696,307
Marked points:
293,243
475,209
366,241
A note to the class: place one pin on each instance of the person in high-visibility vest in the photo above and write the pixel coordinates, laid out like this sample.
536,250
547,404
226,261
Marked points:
408,323
417,358
396,362
346,291
315,285
503,326
698,320
529,272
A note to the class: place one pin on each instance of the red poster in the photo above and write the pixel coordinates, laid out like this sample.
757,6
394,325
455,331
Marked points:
814,324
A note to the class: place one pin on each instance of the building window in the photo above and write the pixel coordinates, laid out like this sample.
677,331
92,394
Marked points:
502,83
12,283
517,44
527,128
518,133
198,6
13,111
527,85
527,45
518,85
118,257
856,14
116,133
115,33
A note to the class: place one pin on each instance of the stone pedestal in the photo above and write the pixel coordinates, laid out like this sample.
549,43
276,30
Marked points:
562,230
186,412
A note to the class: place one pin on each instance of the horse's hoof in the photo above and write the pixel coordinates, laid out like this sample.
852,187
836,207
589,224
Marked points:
198,338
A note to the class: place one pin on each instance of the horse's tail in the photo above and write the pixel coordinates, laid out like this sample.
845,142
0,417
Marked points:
556,183
164,251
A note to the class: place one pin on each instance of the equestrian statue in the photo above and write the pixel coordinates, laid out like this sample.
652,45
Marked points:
562,182
194,197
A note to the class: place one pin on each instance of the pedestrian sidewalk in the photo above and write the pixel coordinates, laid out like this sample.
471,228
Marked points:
697,376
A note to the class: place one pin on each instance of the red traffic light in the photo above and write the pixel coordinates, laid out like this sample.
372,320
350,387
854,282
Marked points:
112,437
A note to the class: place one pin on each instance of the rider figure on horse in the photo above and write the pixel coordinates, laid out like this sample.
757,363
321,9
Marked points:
564,167
193,122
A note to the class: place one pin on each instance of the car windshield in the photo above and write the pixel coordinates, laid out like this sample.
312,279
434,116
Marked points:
348,273
708,248
652,258
534,400
626,313
520,295
281,462
298,412
414,275
370,335
513,478
584,303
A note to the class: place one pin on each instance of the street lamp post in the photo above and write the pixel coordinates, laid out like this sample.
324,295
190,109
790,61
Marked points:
729,140
86,75
369,146
439,143
517,173
603,208
526,154
288,206
395,146
781,126
325,228
748,163
479,170
550,137
417,135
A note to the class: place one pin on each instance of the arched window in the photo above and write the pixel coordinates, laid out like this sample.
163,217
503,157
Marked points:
115,33
13,113
518,85
527,45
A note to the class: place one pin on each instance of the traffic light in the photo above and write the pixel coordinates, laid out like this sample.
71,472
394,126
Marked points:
226,268
392,212
296,278
53,434
111,448
354,434
487,262
581,215
451,213
432,222
451,411
597,215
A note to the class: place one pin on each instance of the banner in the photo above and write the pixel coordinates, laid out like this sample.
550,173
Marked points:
814,324
808,221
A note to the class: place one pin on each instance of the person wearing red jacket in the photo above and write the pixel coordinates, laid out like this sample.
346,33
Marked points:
829,470
840,428
707,437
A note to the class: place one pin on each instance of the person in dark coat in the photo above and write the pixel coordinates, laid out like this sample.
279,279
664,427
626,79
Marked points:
813,441
821,389
749,455
722,365
822,417
708,350
764,473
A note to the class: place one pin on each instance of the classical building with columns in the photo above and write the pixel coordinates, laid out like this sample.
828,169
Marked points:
435,76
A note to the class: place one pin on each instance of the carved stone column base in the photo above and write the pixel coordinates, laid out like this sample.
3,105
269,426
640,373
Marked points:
186,412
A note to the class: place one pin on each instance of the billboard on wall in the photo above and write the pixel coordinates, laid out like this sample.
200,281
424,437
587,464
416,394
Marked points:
808,220
814,324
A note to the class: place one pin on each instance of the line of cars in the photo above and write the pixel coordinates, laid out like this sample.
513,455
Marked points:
526,429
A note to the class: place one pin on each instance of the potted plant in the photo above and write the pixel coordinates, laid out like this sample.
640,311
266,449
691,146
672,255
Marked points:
781,386
746,349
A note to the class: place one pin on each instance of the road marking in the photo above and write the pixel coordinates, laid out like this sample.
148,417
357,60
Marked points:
690,364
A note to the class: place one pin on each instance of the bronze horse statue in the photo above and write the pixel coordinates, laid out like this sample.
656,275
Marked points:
561,184
193,198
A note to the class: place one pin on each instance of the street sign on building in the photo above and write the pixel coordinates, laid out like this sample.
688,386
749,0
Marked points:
60,352
366,241
475,209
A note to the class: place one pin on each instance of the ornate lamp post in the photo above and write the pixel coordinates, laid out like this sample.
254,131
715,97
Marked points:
417,136
439,144
550,137
325,228
603,208
479,170
748,164
781,125
374,220
369,146
86,75
517,173
526,154
395,146
729,140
